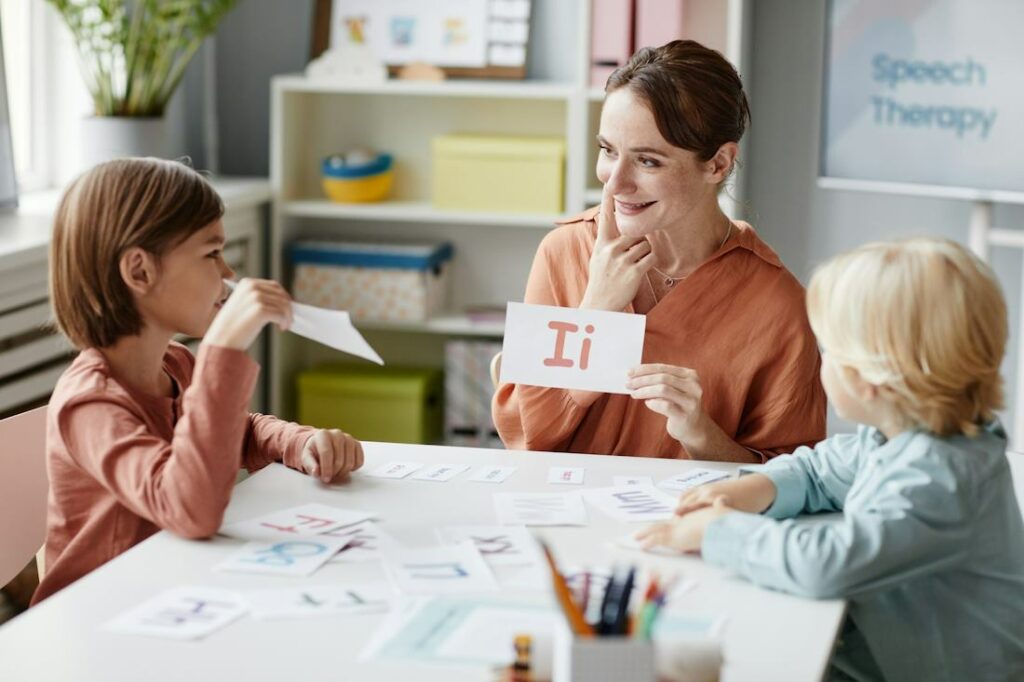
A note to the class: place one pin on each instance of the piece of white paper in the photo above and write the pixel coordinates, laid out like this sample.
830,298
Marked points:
307,519
498,545
366,542
394,470
632,503
330,327
632,480
181,613
691,478
295,557
439,570
440,472
591,350
540,509
491,474
566,475
315,600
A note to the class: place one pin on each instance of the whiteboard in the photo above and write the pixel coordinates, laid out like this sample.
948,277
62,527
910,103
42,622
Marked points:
925,97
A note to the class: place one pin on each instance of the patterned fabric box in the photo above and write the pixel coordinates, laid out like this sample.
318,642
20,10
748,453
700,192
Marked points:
397,282
467,394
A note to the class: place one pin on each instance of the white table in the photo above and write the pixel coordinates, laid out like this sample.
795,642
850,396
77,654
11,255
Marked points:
769,636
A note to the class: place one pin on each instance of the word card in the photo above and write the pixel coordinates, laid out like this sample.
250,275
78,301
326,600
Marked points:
590,350
566,475
632,480
365,542
181,613
299,556
498,545
692,478
540,509
308,519
440,472
492,474
439,570
300,602
395,470
632,503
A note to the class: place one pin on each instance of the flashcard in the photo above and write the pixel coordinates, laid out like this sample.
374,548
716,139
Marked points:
540,509
395,470
566,475
440,472
498,545
632,480
298,556
632,503
308,519
439,570
181,613
691,478
365,542
591,350
491,474
300,602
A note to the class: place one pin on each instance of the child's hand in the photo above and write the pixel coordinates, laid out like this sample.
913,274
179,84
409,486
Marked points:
704,496
683,534
751,493
331,454
253,304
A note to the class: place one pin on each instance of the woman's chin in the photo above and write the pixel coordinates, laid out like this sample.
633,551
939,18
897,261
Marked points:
634,229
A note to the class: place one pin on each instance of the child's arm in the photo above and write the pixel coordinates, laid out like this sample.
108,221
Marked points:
328,454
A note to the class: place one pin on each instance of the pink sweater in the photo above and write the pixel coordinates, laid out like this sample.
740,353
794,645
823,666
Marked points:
124,465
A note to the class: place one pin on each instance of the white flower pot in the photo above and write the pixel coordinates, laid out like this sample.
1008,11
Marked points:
111,137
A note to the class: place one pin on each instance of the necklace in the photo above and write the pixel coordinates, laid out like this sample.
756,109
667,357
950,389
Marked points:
670,281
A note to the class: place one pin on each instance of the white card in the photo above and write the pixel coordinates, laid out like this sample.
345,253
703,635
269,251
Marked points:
540,509
439,570
440,472
181,613
591,350
314,600
365,542
691,478
308,519
394,470
491,474
297,556
566,475
632,480
632,503
498,545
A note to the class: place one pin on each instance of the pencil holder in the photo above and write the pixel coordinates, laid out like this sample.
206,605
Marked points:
601,659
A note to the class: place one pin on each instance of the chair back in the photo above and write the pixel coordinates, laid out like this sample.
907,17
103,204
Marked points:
24,486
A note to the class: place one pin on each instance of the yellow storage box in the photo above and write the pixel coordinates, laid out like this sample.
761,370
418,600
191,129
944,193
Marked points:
393,404
496,173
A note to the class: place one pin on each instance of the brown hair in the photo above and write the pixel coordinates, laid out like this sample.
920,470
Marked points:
147,203
694,93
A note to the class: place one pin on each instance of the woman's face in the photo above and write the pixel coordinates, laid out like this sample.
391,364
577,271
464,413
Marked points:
655,184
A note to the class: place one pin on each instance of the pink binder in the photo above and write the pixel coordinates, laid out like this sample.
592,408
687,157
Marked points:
658,22
611,38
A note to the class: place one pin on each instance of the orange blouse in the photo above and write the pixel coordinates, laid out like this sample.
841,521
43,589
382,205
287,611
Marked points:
739,320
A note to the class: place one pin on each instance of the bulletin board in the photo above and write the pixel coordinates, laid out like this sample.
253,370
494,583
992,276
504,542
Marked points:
465,38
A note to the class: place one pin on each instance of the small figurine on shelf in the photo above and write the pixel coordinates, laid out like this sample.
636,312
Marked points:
359,175
348,64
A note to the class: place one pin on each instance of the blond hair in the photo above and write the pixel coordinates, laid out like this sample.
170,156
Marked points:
922,319
147,203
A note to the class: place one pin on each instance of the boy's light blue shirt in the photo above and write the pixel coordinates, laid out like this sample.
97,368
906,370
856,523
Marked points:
929,550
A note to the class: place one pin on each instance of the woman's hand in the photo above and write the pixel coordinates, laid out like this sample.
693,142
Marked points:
618,264
331,454
674,392
683,534
253,304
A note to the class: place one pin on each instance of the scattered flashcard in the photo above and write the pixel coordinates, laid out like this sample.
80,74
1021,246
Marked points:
440,472
591,350
691,478
394,470
181,613
298,602
632,480
298,556
492,474
498,545
308,519
540,509
439,570
632,502
566,475
366,542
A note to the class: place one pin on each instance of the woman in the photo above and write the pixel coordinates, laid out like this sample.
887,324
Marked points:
731,366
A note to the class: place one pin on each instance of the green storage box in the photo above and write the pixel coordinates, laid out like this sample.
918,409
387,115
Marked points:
393,404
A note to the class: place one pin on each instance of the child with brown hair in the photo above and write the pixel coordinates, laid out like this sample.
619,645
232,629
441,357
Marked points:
929,544
141,435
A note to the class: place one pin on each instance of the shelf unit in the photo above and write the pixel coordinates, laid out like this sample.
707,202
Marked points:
494,251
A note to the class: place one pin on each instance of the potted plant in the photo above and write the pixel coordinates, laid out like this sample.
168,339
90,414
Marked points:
133,55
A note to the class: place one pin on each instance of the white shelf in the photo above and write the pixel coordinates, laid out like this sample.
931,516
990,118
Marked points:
412,211
449,324
459,88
